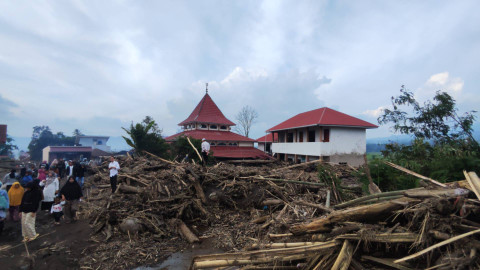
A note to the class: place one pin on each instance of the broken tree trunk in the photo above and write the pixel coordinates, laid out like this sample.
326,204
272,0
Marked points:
129,189
185,231
405,170
360,213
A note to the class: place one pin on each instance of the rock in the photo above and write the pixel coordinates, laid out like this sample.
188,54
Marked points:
132,225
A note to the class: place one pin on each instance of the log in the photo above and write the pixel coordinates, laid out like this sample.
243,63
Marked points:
382,237
359,213
272,202
186,232
405,170
284,245
366,198
451,240
344,257
259,220
299,165
159,158
474,182
129,189
196,151
387,262
286,181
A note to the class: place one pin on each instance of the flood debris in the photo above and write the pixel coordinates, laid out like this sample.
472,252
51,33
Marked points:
276,216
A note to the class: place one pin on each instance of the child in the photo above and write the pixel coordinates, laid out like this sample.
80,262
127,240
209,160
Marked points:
57,210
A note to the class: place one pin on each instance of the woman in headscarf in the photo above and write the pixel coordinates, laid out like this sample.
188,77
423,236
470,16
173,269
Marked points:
51,187
42,173
15,195
71,193
28,208
4,204
9,179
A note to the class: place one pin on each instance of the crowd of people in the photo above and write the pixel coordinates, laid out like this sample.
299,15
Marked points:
22,194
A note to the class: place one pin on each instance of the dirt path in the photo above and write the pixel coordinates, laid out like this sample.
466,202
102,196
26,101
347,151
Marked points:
58,247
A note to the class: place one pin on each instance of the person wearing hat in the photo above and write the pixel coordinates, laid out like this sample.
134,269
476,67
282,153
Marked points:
205,151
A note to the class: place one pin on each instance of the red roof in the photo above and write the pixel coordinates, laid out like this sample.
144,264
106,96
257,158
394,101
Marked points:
237,152
267,138
211,135
207,112
323,117
58,149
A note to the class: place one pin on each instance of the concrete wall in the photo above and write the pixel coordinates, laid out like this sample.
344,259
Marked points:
93,142
345,145
261,146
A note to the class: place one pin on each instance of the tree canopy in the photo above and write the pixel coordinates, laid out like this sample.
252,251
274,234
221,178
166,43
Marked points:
7,148
146,136
42,137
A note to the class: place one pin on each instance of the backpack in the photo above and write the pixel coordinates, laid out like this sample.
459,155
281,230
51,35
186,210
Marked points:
3,202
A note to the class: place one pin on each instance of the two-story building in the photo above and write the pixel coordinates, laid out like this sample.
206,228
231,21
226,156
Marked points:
96,142
321,134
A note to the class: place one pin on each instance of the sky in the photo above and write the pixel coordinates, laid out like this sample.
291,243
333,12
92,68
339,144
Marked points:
101,65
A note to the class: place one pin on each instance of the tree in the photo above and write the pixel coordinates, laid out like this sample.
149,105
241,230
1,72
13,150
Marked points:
437,120
42,137
77,133
245,118
145,136
443,144
7,148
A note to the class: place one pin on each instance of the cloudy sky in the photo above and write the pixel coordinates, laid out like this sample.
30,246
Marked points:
99,65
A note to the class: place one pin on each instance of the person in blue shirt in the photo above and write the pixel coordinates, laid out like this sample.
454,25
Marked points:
27,178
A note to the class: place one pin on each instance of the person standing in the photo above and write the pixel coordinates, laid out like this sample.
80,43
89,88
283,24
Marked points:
70,172
113,167
9,179
15,195
61,168
205,151
80,174
27,178
28,208
4,205
42,173
51,187
72,194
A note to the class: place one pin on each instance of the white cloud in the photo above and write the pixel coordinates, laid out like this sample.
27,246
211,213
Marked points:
376,112
440,82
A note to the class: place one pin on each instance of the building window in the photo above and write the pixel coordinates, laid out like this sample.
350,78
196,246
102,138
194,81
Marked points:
222,144
300,136
203,126
311,136
99,142
326,135
213,127
289,137
223,127
212,144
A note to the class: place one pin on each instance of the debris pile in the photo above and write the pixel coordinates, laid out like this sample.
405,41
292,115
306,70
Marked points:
158,203
273,216
412,229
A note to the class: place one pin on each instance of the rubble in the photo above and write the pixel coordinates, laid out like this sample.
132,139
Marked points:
272,216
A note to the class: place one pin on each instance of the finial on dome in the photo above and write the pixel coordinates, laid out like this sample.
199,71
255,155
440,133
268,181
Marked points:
206,88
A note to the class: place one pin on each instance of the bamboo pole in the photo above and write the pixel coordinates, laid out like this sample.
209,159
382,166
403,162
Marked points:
344,257
405,170
164,160
369,197
318,206
451,240
286,181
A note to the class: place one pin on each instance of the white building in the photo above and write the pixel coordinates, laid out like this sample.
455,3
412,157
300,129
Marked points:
96,142
321,134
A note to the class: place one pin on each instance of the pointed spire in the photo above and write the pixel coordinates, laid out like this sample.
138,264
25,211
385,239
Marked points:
206,88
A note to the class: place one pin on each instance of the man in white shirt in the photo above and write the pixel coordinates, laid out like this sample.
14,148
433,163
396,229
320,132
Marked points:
205,151
113,167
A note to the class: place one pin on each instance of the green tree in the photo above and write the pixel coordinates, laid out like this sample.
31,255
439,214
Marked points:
443,144
145,136
42,137
7,148
438,120
77,133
